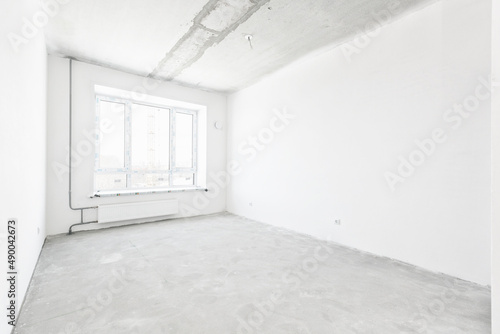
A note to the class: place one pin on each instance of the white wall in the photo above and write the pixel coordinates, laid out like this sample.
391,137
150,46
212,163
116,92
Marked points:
495,122
352,121
85,76
22,144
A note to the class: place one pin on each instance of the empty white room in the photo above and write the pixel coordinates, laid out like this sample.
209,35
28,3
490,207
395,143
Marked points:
250,166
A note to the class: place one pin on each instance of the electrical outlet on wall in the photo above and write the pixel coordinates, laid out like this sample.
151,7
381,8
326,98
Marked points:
338,222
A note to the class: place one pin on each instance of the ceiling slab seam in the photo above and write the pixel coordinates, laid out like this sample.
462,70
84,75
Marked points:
199,37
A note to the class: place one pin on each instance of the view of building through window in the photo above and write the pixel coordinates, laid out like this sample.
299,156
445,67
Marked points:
146,146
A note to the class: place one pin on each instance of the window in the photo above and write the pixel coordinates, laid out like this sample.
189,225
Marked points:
142,145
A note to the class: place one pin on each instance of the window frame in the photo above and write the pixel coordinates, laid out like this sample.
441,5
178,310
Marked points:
127,168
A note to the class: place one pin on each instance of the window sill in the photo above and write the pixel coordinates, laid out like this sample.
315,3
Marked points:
144,192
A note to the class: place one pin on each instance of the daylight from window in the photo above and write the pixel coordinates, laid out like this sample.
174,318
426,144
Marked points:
147,146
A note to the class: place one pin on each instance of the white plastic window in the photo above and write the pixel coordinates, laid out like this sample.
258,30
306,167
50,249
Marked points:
144,146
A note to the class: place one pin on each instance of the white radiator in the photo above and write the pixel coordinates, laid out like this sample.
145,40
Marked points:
128,211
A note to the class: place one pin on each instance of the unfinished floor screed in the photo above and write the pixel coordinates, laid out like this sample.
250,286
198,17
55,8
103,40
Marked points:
226,274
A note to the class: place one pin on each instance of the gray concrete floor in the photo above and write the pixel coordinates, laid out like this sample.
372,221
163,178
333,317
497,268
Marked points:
226,274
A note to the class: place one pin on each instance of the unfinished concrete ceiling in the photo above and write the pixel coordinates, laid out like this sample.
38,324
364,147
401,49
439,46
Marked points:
203,43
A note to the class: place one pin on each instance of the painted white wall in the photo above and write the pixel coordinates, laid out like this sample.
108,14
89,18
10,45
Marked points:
85,76
22,144
353,119
495,136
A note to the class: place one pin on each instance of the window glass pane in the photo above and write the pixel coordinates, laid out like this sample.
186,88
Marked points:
112,141
110,181
183,140
139,147
183,179
149,180
150,142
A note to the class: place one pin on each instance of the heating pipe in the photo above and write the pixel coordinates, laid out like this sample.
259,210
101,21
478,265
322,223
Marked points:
71,150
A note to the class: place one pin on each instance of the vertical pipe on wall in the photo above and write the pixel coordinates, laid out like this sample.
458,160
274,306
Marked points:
71,150
495,155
